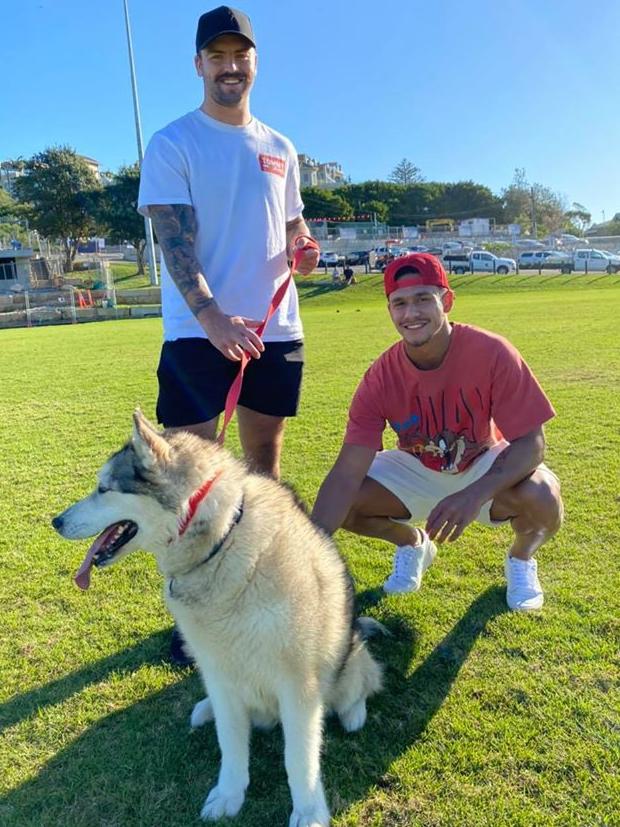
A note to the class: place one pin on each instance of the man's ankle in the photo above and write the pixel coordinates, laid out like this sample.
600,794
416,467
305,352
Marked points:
524,556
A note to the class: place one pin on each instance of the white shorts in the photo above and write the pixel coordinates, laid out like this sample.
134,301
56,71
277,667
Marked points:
420,488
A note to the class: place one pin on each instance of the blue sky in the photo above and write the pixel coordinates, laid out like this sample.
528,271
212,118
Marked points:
464,90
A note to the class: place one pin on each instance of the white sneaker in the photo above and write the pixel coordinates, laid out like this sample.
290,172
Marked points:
410,563
524,592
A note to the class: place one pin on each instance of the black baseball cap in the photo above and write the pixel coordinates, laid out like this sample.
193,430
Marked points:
223,20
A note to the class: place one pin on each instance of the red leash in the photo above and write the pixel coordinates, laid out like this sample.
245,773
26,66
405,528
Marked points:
235,388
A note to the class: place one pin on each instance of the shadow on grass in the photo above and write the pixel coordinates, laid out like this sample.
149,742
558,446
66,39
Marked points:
140,766
127,277
152,650
311,290
400,715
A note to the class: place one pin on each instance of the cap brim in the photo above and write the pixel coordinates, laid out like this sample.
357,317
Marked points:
221,34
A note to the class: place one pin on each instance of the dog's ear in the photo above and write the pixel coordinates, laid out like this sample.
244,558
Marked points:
149,445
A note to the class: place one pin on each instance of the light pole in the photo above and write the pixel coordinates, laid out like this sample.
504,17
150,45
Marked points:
148,226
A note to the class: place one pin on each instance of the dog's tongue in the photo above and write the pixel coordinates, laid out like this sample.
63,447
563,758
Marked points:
82,578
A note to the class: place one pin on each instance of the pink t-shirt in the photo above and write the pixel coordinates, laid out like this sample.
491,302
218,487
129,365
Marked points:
447,417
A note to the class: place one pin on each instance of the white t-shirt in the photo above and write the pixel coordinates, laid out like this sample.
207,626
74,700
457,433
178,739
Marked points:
243,182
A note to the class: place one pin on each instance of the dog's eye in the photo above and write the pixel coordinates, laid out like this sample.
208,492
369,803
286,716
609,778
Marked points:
101,489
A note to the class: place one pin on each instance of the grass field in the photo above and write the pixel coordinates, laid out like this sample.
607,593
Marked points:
487,718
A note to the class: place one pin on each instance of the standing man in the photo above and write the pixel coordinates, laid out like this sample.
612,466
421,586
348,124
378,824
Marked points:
469,418
222,189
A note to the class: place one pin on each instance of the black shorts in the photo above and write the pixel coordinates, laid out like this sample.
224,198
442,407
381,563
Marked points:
194,378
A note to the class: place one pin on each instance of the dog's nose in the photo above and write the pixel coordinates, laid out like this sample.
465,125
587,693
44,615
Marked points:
57,522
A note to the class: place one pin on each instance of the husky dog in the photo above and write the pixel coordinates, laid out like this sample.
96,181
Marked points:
261,596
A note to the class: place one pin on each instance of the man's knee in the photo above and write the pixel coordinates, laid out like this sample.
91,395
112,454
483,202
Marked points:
352,520
540,497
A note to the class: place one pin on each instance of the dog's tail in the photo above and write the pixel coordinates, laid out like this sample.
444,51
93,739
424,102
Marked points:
367,627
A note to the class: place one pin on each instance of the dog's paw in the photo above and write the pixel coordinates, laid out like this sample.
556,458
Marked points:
354,717
202,713
219,804
317,817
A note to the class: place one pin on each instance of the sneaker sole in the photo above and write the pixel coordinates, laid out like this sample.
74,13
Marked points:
525,608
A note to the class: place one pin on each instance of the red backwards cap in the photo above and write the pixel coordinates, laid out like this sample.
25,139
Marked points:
430,272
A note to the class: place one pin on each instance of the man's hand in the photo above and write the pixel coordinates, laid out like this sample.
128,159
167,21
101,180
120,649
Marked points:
452,515
308,260
297,237
231,335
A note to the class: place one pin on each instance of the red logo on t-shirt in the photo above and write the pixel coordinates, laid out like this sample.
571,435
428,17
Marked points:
273,164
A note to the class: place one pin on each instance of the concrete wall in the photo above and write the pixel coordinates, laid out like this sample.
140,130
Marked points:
146,295
64,315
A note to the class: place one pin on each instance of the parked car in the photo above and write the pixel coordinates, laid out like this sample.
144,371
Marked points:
328,259
538,259
592,261
570,240
556,259
457,262
480,261
386,254
357,257
529,244
389,251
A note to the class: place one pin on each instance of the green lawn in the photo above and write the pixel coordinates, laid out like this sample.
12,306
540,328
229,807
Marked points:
487,718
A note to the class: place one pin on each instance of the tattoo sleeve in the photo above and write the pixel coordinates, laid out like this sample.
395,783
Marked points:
175,226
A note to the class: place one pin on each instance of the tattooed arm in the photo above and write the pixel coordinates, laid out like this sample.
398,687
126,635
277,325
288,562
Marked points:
175,226
515,463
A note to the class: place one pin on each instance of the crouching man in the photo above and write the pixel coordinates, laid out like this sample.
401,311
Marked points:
468,414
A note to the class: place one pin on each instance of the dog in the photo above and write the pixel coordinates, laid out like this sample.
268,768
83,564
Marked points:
262,598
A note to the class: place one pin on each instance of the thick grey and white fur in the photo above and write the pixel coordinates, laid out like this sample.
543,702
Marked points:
268,619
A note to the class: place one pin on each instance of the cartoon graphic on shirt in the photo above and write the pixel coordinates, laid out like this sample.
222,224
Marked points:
451,450
444,451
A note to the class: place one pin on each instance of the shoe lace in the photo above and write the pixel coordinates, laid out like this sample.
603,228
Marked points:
403,563
523,576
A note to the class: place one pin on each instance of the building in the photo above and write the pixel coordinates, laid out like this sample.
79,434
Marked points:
475,227
15,269
10,171
325,176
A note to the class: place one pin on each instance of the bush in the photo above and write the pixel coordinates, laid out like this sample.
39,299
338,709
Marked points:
499,248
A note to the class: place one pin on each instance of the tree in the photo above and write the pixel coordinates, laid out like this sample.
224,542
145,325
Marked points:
366,197
607,228
54,190
406,173
533,205
416,203
375,208
115,208
7,204
324,204
466,199
579,217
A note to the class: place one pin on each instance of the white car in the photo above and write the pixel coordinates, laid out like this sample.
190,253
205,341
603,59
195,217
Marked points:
570,240
537,259
483,262
529,244
328,260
